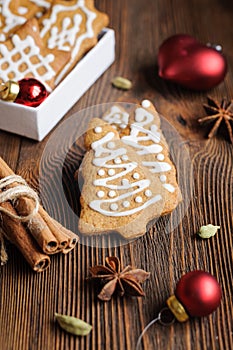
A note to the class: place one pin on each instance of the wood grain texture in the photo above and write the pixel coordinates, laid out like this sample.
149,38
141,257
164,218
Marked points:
29,300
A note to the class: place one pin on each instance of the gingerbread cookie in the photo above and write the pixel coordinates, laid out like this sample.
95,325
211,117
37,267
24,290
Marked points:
143,133
15,13
72,26
24,55
118,193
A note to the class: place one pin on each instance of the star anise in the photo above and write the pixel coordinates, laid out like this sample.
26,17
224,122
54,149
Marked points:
126,281
218,112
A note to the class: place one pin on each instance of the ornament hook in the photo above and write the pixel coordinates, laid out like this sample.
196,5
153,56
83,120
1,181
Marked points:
165,318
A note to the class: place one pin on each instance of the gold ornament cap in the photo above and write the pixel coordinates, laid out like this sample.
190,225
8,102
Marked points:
177,309
9,91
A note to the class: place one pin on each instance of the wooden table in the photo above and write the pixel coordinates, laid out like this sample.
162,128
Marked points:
29,300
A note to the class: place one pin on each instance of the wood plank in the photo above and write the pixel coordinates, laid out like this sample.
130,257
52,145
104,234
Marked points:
28,301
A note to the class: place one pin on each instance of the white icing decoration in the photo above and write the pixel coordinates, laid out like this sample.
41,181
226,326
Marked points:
65,39
117,161
136,176
126,204
11,20
142,118
123,126
100,194
151,135
148,193
42,3
114,206
111,172
111,194
89,33
19,48
169,187
111,145
157,167
101,172
139,133
163,178
146,103
96,205
125,183
160,156
98,130
125,157
22,10
103,155
138,199
116,116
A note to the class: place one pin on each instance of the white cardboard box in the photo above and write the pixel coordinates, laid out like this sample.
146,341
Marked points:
36,123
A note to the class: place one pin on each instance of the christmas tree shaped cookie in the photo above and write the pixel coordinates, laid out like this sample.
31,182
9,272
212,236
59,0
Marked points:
118,195
143,133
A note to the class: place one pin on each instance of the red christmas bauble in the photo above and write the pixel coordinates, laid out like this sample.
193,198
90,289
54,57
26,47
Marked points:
184,60
31,92
199,293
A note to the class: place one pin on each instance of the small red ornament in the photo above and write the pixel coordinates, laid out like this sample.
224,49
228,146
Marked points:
199,293
31,92
184,60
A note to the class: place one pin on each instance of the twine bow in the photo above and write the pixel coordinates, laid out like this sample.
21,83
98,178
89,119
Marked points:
12,194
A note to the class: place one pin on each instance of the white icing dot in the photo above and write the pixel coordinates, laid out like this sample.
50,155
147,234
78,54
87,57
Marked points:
148,193
34,28
111,194
117,160
138,199
111,145
101,172
113,206
160,156
126,204
111,172
114,126
124,157
136,176
146,103
22,10
100,194
163,178
125,182
123,126
98,129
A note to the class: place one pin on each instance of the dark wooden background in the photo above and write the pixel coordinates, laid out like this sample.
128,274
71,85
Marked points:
28,300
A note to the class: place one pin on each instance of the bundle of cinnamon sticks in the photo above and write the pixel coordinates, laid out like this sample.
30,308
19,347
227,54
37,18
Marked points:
38,238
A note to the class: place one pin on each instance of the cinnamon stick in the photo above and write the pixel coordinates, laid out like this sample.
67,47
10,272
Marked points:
60,231
38,227
50,234
15,232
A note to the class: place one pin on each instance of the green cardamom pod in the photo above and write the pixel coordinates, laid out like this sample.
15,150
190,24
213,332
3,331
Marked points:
207,231
73,325
121,83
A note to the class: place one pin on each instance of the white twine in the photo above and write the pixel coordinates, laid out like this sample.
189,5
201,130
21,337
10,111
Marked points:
12,194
